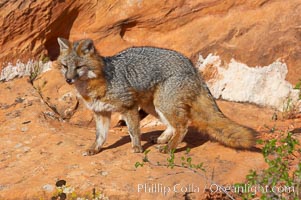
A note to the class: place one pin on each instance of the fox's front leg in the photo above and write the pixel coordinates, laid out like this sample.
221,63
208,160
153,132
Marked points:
132,120
102,120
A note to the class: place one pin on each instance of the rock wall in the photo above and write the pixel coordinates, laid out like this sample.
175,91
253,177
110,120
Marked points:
254,32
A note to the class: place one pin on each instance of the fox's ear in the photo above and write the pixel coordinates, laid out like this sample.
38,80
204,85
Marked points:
64,44
87,47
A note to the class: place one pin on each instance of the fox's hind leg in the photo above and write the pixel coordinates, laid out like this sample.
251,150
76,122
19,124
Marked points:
171,101
167,134
177,126
176,119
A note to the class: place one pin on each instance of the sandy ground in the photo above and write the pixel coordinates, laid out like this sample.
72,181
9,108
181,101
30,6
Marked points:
36,151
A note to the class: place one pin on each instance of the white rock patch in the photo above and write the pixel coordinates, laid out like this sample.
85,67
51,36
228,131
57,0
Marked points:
235,81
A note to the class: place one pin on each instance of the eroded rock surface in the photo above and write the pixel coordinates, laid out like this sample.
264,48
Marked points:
253,32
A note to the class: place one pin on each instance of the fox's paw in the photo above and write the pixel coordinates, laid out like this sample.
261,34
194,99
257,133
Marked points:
137,149
158,140
91,152
163,148
162,140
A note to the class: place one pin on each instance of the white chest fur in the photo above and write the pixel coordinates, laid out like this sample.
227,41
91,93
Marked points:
93,103
99,106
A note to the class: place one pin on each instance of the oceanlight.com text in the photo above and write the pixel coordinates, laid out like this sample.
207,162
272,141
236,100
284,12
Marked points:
254,189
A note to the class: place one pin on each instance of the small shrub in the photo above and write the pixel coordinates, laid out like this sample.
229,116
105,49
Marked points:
280,180
30,69
290,109
298,87
186,161
65,192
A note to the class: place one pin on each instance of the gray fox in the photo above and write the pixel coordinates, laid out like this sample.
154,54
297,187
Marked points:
162,82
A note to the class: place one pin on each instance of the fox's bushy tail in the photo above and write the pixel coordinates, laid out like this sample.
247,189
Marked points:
207,117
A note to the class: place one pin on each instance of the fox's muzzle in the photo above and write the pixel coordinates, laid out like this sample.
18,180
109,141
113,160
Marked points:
69,81
70,76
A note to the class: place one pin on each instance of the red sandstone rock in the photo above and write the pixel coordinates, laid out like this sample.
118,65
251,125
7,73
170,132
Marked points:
37,150
254,32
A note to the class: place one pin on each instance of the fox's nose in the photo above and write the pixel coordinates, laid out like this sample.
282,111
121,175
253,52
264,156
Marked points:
69,81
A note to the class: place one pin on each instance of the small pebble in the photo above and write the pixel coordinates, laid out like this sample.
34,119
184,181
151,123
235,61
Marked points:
24,129
104,173
48,188
26,149
18,145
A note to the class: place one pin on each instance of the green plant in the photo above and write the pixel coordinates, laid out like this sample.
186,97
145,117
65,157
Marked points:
144,159
298,87
279,180
66,192
270,129
37,67
186,161
290,109
35,71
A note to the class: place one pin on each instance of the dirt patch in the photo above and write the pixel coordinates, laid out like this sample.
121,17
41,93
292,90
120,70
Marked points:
37,150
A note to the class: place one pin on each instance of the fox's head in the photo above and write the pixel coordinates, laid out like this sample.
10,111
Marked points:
79,60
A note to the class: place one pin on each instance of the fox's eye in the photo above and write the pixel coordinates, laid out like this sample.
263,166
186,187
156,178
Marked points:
65,66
